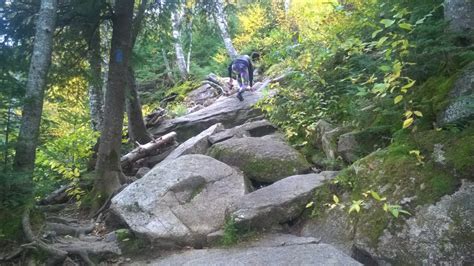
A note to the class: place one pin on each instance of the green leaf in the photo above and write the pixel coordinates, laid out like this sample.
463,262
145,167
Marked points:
398,99
408,122
381,41
335,199
376,32
418,113
394,212
309,205
407,86
385,68
375,195
406,26
387,22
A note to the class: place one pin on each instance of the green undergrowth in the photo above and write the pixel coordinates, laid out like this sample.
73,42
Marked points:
234,234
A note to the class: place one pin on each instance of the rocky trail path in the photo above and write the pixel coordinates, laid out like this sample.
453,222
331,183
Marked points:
231,165
227,169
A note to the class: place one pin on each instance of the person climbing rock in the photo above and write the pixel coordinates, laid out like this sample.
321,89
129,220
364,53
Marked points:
243,69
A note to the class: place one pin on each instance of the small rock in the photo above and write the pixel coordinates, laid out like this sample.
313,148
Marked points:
142,172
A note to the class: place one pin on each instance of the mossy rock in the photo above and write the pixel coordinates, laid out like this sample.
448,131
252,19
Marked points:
415,182
266,159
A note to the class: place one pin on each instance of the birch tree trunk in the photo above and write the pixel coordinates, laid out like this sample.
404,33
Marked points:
33,108
220,19
176,32
109,175
136,125
96,94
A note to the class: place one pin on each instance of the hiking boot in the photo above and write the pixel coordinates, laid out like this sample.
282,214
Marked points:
239,96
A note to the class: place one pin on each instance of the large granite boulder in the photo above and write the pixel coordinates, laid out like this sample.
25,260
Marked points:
195,145
460,100
264,159
277,203
226,110
181,201
291,251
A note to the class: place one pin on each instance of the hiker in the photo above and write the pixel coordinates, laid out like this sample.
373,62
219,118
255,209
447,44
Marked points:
243,69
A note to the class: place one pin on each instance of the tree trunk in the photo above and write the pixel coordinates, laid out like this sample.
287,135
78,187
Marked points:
136,125
33,108
169,72
96,95
108,172
180,58
7,132
219,18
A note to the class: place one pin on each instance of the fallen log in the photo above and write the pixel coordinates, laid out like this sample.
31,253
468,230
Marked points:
58,196
148,149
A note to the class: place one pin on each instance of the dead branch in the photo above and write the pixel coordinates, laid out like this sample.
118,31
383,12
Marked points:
151,148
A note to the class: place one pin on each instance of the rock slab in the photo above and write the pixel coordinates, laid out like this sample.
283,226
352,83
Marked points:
277,203
305,254
195,145
461,99
226,110
180,201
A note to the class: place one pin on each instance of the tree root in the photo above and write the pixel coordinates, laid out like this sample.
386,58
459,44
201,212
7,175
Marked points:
55,255
107,202
64,229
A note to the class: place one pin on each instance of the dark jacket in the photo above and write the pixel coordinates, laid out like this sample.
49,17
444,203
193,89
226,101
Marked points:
244,59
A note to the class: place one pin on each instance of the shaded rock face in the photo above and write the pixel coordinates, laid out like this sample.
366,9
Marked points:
461,98
265,159
442,233
227,110
321,128
195,145
329,141
202,95
258,128
459,14
181,201
297,254
277,203
438,234
354,145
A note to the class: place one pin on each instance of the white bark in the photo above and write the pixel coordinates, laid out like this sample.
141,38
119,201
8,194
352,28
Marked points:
220,19
176,32
39,66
